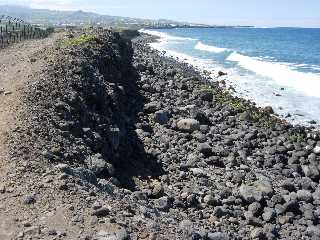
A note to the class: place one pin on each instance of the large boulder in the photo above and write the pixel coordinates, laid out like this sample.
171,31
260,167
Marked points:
188,125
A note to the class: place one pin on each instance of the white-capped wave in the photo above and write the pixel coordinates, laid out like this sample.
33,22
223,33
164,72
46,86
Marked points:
165,36
308,83
209,48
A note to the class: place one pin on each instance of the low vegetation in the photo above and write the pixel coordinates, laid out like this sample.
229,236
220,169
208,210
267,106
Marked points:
77,41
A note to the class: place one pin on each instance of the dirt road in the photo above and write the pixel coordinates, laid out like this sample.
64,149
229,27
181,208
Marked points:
18,64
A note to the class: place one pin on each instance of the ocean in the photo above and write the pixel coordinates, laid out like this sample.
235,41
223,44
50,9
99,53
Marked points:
278,67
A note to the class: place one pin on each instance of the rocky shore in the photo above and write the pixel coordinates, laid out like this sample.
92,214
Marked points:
117,141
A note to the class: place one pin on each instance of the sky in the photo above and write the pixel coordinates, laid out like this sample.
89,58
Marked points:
302,13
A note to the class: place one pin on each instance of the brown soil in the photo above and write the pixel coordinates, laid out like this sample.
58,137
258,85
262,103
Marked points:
18,64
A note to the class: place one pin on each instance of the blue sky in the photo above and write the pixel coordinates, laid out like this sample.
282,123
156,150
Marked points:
242,12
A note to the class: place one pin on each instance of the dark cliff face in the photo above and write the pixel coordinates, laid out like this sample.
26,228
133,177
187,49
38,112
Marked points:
83,111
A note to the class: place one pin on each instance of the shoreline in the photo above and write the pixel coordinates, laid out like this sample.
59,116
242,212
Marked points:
115,140
294,117
207,79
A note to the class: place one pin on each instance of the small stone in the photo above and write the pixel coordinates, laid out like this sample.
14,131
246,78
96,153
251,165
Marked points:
310,171
151,107
284,219
63,167
113,233
314,231
52,232
206,95
27,224
188,125
32,231
220,73
269,214
269,110
220,212
254,208
288,185
101,212
198,172
29,200
205,149
157,190
98,165
257,233
2,188
139,195
245,116
192,200
316,194
161,117
250,193
96,206
201,117
209,200
304,195
163,204
316,150
186,226
256,191
217,236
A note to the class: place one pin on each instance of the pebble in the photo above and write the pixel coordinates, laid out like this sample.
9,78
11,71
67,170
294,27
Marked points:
101,212
316,150
29,200
188,125
161,117
217,236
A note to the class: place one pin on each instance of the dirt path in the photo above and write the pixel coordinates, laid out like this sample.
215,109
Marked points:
18,64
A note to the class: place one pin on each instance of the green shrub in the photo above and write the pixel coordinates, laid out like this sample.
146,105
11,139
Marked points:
77,41
296,137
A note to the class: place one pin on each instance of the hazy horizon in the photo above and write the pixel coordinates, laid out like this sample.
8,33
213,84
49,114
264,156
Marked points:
270,13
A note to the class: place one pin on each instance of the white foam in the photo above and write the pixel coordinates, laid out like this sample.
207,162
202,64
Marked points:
254,88
308,83
200,64
209,48
165,36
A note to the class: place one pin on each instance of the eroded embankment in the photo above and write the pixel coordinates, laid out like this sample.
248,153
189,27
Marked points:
83,108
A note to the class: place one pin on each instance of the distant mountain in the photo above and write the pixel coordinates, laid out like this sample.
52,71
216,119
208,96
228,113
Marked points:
81,18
